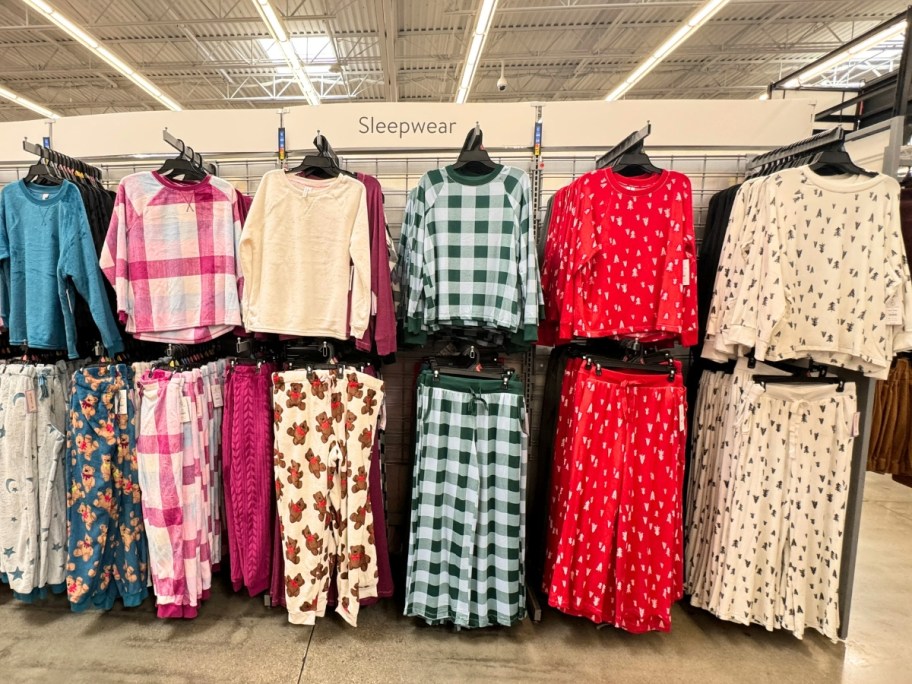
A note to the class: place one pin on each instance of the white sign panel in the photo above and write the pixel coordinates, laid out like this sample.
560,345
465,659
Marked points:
392,126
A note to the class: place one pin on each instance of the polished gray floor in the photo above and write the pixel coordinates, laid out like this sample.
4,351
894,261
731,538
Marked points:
236,639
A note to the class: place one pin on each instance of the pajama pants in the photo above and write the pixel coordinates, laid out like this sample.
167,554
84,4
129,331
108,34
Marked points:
466,548
107,552
174,477
782,545
324,435
616,513
385,585
33,498
247,453
715,461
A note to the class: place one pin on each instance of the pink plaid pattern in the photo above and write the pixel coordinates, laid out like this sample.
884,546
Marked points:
171,462
170,254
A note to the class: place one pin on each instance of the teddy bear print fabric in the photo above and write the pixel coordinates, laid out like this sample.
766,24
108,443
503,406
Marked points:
32,499
107,555
325,423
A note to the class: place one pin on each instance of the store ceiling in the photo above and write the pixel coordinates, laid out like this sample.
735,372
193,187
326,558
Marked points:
218,53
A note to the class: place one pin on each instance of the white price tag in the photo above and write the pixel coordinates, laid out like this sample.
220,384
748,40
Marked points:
856,424
31,402
122,402
893,312
217,399
686,277
373,304
681,417
185,410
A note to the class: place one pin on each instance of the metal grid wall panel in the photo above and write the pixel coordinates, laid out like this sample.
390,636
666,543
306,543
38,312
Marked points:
397,175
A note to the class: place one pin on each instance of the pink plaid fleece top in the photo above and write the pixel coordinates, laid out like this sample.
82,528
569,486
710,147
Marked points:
171,256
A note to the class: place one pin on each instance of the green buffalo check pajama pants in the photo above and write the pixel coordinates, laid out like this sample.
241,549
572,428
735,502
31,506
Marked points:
466,552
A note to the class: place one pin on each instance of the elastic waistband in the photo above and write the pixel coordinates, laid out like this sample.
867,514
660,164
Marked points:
471,385
633,377
350,375
803,393
90,376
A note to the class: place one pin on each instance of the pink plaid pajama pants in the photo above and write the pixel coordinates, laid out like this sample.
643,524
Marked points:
174,474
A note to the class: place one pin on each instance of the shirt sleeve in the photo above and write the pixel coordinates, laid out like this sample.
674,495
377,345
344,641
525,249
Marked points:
382,312
759,303
728,275
79,263
250,253
359,250
899,297
690,322
531,302
415,281
113,261
4,268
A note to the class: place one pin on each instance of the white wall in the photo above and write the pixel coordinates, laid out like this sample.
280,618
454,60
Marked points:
746,124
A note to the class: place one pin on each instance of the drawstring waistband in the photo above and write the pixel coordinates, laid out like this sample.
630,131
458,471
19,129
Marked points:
477,398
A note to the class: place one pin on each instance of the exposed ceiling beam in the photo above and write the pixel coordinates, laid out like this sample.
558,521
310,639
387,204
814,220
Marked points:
389,30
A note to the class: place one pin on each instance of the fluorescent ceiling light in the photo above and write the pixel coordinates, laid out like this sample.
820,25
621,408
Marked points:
811,73
480,35
688,28
28,104
87,40
287,49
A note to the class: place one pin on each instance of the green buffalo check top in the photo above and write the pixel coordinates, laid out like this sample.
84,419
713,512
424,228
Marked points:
465,254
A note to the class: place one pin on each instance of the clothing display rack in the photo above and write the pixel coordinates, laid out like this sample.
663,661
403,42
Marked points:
632,143
796,151
58,159
188,152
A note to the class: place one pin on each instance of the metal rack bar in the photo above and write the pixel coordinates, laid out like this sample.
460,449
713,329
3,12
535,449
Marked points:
60,158
629,143
815,142
194,157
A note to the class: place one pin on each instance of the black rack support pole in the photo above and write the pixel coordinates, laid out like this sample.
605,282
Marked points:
627,144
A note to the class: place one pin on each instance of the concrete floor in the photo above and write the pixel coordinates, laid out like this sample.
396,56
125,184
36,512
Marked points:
236,639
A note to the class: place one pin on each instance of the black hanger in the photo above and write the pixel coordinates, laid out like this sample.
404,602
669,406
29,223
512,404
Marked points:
473,158
799,380
183,166
836,160
635,162
621,364
323,164
42,172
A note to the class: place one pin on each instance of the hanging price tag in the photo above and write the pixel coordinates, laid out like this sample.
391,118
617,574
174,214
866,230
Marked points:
686,272
122,402
31,402
185,410
681,417
217,399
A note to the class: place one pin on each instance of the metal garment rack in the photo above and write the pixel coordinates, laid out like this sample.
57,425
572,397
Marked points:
192,156
798,149
628,144
60,159
864,385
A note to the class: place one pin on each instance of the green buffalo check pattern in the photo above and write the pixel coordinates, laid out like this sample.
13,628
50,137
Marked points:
466,548
465,254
